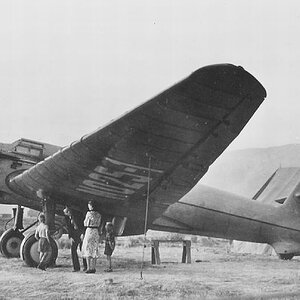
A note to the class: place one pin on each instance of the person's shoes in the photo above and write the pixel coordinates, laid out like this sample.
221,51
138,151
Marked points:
84,269
108,270
89,271
93,271
75,270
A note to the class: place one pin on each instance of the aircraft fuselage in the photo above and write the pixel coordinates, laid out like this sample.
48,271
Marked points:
210,212
15,158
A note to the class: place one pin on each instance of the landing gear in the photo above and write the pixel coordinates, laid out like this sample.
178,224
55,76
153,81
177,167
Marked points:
11,239
285,256
10,242
29,251
14,244
29,246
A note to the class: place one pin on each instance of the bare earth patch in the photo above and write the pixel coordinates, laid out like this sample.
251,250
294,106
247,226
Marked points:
218,275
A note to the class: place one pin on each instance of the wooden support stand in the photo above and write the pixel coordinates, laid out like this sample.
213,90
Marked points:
186,251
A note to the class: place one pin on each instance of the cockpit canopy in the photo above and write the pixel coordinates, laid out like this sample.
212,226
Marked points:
29,149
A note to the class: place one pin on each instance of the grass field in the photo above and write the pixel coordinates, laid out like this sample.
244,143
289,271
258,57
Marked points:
217,275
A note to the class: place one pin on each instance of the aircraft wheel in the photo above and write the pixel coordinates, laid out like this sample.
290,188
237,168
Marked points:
10,242
29,251
286,256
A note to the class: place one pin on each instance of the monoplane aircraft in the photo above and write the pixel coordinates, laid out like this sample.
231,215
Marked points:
147,161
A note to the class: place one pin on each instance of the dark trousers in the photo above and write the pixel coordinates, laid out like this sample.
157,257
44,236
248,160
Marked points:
75,260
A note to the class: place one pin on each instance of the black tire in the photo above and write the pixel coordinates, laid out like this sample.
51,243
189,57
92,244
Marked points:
10,243
30,254
284,256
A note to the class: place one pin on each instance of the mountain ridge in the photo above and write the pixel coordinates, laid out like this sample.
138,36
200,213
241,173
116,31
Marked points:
244,171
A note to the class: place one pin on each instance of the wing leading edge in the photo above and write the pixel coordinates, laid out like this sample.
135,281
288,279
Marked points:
178,133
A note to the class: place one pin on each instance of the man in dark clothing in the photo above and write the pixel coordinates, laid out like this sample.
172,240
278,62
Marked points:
75,229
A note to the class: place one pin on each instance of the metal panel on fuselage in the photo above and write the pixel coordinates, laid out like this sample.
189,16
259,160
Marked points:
211,212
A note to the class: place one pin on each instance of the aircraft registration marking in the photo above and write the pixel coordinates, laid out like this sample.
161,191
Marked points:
117,180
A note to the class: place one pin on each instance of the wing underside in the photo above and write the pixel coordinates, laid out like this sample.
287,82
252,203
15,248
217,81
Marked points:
170,140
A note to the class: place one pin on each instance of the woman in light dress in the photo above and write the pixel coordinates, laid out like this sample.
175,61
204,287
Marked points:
91,239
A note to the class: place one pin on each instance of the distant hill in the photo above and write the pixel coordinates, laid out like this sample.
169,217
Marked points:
244,171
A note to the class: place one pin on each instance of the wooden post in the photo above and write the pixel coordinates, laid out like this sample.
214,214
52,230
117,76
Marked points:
152,254
183,260
155,258
186,252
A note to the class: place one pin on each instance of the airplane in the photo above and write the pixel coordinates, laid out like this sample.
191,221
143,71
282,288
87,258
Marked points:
142,169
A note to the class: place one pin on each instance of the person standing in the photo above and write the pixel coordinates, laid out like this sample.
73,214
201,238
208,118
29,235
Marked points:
42,235
91,239
109,244
75,230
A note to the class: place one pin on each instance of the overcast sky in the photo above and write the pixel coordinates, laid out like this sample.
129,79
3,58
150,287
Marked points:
69,67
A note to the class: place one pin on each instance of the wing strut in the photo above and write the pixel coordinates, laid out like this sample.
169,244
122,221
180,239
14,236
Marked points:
146,214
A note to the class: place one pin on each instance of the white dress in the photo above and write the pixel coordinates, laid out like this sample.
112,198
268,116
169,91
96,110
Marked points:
91,239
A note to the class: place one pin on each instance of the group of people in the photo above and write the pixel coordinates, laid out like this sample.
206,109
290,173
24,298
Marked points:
83,233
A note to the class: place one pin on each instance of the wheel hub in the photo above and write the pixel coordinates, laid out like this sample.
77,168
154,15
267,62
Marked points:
13,246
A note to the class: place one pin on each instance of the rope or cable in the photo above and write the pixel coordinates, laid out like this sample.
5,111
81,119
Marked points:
146,216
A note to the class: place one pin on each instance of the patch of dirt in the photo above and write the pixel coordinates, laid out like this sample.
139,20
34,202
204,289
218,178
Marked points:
218,275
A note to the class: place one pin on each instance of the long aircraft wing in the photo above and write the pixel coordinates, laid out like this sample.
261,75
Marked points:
170,140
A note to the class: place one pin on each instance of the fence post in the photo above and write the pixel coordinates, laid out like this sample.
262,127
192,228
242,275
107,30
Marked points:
155,258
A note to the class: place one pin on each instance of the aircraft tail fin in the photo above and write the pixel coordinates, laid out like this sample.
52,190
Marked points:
280,187
293,200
